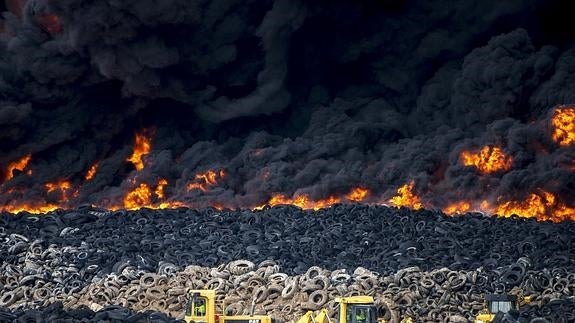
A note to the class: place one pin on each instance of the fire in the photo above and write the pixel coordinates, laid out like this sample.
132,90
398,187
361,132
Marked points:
358,194
34,208
144,196
20,165
406,197
203,181
563,122
160,188
142,147
139,197
63,186
305,202
91,172
542,205
457,208
302,201
490,159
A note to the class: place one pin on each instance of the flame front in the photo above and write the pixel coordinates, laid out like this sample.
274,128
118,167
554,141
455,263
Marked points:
542,205
406,198
490,159
304,201
142,147
19,165
563,122
203,181
33,208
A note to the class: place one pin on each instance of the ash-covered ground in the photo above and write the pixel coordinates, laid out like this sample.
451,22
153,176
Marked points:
423,264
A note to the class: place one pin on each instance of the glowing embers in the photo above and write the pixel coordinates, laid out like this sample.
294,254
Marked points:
142,147
542,206
406,198
91,172
489,159
304,201
204,181
19,165
563,122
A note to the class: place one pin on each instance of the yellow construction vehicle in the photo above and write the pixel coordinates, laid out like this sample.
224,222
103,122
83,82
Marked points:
502,306
201,308
353,309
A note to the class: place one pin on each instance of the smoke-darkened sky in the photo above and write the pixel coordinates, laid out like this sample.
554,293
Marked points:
285,96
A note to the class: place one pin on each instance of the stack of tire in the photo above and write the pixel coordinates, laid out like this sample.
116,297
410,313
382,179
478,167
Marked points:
282,261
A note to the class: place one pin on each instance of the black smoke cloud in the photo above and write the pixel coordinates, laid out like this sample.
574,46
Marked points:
286,96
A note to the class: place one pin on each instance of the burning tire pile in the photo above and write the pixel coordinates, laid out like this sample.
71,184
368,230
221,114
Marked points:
93,264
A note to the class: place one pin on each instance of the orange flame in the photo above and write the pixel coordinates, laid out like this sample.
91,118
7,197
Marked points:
20,165
33,208
91,172
139,197
457,208
305,202
490,159
160,188
63,185
542,205
203,181
563,122
143,196
405,197
358,194
142,146
301,200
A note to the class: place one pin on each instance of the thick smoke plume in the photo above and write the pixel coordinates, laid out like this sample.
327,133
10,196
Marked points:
284,97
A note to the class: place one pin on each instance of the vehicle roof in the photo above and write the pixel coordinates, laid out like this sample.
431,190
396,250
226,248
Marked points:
500,297
355,300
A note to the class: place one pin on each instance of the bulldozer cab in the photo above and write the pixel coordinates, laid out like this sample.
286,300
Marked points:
357,309
203,307
501,303
497,307
199,307
361,314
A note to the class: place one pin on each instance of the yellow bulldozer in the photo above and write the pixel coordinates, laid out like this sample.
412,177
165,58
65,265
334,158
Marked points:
353,309
201,308
501,308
